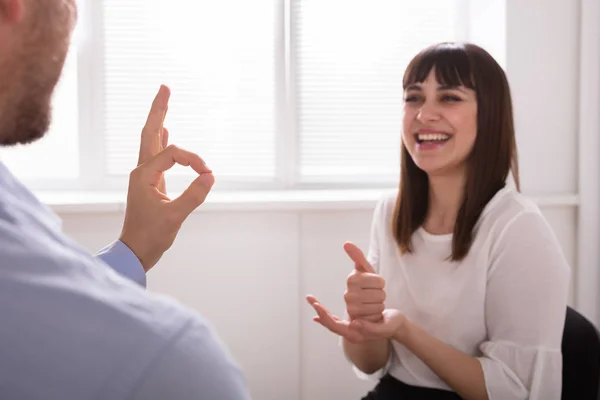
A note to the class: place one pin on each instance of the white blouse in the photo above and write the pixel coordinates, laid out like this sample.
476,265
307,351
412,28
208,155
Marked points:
504,304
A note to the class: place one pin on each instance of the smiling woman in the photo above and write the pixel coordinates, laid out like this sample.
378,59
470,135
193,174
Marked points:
457,122
421,133
464,289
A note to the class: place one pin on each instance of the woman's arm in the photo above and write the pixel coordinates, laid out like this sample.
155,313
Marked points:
369,356
459,370
462,372
525,308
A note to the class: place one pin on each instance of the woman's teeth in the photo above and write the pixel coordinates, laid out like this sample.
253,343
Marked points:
430,137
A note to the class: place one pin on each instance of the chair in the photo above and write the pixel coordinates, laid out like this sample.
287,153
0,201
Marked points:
581,358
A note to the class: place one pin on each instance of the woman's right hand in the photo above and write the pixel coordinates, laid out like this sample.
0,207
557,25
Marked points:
365,293
364,299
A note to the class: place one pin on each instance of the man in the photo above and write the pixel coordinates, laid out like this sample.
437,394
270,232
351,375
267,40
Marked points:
74,326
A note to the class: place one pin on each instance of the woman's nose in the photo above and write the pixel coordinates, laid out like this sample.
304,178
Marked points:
428,112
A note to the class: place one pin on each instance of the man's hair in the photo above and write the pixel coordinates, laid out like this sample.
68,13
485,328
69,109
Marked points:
494,153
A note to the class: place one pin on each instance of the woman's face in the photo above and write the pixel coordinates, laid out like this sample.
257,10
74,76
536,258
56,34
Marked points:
439,125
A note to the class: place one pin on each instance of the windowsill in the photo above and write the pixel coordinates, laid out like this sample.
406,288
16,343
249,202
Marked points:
293,200
276,200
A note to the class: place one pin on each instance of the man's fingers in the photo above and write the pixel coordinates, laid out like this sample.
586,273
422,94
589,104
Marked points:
151,173
194,195
151,141
158,110
165,138
170,156
358,257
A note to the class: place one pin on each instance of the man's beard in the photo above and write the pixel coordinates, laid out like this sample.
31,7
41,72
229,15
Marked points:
28,78
25,119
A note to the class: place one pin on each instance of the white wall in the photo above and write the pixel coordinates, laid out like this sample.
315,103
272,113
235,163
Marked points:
248,271
588,251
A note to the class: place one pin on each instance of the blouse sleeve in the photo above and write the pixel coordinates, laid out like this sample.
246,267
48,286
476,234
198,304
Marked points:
525,308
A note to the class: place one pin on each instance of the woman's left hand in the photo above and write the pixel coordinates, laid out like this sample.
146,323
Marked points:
392,326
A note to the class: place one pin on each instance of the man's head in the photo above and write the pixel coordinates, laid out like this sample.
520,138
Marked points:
34,40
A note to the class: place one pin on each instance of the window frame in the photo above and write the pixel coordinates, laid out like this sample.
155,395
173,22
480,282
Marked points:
89,47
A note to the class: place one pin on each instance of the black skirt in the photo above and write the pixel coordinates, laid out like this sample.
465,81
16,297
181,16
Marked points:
390,388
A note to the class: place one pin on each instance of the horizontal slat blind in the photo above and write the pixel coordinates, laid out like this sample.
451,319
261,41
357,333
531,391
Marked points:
350,57
218,57
222,60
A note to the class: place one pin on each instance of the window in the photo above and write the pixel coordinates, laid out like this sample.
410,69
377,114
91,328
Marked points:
272,93
350,57
218,57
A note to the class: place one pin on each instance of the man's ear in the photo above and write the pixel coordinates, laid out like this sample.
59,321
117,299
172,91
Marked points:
12,11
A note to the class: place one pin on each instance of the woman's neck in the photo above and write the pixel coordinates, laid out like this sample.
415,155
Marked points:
445,198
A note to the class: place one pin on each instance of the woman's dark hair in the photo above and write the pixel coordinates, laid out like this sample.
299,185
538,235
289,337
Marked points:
494,153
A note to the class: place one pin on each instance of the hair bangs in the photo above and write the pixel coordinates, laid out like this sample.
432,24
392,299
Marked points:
450,62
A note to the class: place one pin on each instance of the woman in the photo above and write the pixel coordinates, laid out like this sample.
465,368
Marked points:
474,282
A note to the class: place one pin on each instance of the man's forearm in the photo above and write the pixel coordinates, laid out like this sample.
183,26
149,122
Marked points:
368,356
460,371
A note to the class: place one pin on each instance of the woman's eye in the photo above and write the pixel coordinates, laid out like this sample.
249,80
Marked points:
451,98
411,99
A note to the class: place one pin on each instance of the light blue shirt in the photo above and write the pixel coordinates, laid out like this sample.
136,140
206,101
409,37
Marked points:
75,326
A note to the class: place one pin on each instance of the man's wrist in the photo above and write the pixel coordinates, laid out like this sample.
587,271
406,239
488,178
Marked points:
135,250
123,260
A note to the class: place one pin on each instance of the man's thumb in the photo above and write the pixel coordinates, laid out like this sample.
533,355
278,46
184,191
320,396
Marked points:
195,194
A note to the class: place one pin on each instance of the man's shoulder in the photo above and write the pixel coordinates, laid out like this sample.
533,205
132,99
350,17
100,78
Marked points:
72,322
66,282
79,336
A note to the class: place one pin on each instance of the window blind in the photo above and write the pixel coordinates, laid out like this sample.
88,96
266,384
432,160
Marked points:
350,58
218,57
224,62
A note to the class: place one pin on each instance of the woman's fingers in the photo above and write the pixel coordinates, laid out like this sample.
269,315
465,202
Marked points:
333,323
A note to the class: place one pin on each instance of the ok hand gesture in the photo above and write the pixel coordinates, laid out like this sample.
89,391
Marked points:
152,219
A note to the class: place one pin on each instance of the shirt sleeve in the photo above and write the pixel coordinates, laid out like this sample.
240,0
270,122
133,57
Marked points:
196,365
525,308
120,258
